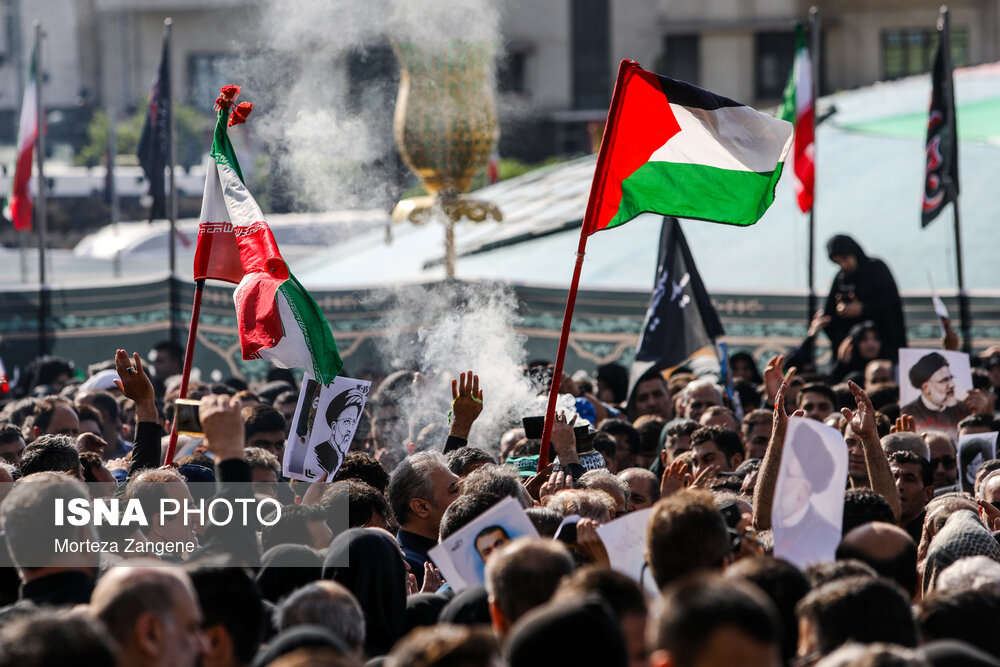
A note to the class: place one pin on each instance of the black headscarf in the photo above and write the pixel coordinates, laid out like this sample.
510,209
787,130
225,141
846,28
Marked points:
872,284
368,562
286,567
470,607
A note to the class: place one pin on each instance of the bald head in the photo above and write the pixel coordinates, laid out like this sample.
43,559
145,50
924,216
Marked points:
887,548
152,613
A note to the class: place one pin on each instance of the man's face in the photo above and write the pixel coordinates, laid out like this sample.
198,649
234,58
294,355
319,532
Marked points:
64,422
943,460
640,491
271,441
856,466
877,372
708,453
11,451
698,401
184,639
721,418
991,491
342,429
675,448
489,542
651,398
816,405
445,492
163,364
756,440
287,410
939,390
913,495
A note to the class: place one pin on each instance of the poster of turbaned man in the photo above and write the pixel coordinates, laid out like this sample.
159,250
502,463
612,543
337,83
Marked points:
808,509
933,385
323,427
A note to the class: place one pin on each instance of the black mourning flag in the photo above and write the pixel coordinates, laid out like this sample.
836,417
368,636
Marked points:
941,177
681,318
154,145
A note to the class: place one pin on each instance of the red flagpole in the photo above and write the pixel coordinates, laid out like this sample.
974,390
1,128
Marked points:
199,290
586,229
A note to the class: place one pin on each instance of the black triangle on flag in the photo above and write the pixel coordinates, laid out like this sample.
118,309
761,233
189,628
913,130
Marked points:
681,318
941,169
154,142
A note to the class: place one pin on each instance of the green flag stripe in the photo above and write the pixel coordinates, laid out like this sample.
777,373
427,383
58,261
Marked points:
323,351
698,192
222,148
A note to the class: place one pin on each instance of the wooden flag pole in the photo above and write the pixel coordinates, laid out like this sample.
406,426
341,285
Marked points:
199,290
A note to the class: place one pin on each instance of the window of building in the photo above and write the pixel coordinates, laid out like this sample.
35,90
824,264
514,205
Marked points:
774,54
591,53
510,72
680,58
908,51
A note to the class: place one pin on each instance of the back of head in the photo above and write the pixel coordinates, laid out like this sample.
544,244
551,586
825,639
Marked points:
446,645
328,604
531,639
970,573
686,533
466,508
48,637
124,594
905,441
261,418
30,540
496,480
54,453
874,655
524,573
228,597
863,506
860,609
819,574
889,550
783,584
968,615
364,502
691,613
364,468
620,592
464,460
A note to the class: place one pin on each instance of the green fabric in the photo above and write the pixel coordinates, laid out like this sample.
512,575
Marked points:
977,121
323,351
698,192
222,148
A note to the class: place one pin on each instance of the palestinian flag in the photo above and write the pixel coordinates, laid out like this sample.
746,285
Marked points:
278,320
27,135
675,149
799,108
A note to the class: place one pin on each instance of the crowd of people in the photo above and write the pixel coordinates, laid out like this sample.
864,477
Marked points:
344,575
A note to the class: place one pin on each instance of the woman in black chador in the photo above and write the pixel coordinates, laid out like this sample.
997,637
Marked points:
863,289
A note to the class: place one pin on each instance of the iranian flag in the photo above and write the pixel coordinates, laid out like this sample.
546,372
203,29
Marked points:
799,108
674,149
27,135
278,320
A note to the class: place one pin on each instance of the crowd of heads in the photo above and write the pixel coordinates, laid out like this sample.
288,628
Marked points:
345,576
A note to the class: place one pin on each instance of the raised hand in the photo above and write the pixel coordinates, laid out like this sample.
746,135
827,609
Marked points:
773,378
590,542
133,383
556,482
978,402
222,425
675,478
564,440
705,477
432,579
904,423
466,403
819,322
862,420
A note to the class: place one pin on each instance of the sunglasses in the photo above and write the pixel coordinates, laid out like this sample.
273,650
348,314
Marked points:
948,462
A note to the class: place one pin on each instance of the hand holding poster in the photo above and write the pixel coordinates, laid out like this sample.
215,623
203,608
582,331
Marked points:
325,420
462,556
932,387
809,497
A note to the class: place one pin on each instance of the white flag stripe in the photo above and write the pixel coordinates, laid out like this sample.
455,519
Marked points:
732,138
243,209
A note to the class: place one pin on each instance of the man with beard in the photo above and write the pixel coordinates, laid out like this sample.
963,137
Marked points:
936,407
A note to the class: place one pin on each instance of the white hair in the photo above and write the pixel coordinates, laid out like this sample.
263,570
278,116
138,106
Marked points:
972,573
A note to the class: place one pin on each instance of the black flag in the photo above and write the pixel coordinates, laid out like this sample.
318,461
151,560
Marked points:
154,146
941,177
681,318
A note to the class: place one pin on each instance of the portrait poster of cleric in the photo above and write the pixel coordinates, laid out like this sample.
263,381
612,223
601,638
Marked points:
324,424
807,514
462,556
933,387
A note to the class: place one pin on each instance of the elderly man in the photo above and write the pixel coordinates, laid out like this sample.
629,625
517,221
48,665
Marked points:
152,613
420,490
937,406
644,488
699,396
